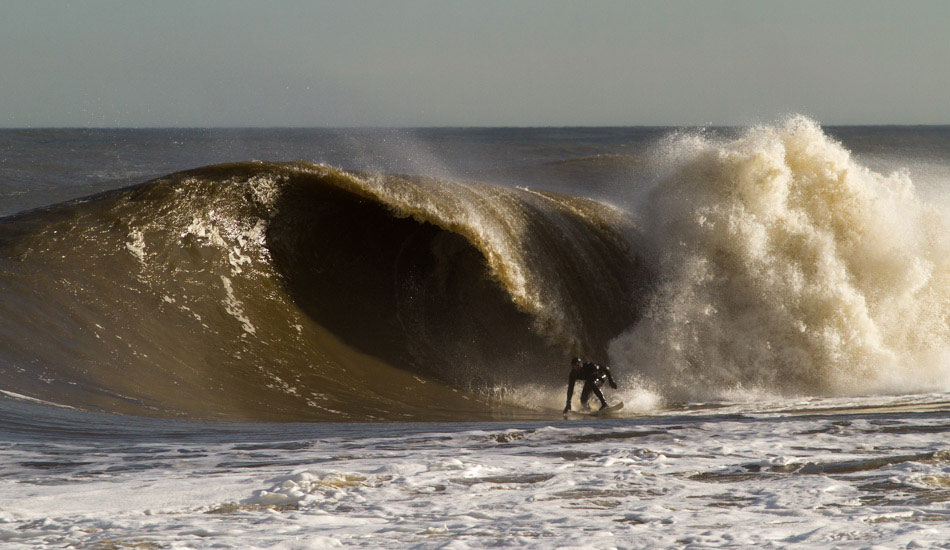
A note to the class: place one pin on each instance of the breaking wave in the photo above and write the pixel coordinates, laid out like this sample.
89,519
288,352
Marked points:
296,291
772,263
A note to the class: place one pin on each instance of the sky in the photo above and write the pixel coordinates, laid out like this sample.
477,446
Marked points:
486,63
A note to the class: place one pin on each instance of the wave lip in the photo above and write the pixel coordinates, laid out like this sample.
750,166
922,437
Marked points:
296,291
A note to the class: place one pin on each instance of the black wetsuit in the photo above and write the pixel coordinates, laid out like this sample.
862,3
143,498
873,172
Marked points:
593,376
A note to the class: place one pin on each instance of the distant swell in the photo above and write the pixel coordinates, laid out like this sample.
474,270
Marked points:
295,291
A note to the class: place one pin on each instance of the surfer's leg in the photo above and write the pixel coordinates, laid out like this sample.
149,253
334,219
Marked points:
600,395
585,394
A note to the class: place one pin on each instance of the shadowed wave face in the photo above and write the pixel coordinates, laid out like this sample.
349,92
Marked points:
293,291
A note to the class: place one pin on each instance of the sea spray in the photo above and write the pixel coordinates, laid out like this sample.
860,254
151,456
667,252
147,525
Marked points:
785,266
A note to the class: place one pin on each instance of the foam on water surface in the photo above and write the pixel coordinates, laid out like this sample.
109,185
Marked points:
706,478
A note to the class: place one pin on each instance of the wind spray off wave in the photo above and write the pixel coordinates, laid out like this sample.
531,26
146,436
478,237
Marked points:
785,266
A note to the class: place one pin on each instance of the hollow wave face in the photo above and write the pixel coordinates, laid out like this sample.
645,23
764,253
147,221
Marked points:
296,291
786,267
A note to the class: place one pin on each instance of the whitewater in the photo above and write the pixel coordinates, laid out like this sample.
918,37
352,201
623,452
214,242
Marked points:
360,338
787,267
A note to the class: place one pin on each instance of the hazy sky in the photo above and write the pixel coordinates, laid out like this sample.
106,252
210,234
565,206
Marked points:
478,63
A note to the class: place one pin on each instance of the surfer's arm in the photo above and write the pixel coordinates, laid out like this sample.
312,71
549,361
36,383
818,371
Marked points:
570,391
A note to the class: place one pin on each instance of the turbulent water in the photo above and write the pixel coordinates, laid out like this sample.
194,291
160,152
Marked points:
784,265
772,300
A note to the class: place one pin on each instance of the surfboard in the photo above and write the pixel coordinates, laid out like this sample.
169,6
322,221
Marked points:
607,410
601,412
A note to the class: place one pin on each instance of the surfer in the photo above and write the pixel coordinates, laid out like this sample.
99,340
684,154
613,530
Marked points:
594,376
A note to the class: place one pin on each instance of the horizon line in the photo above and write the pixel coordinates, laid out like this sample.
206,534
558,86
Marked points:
452,127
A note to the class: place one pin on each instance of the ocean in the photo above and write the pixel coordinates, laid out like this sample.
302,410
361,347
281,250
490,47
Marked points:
312,338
